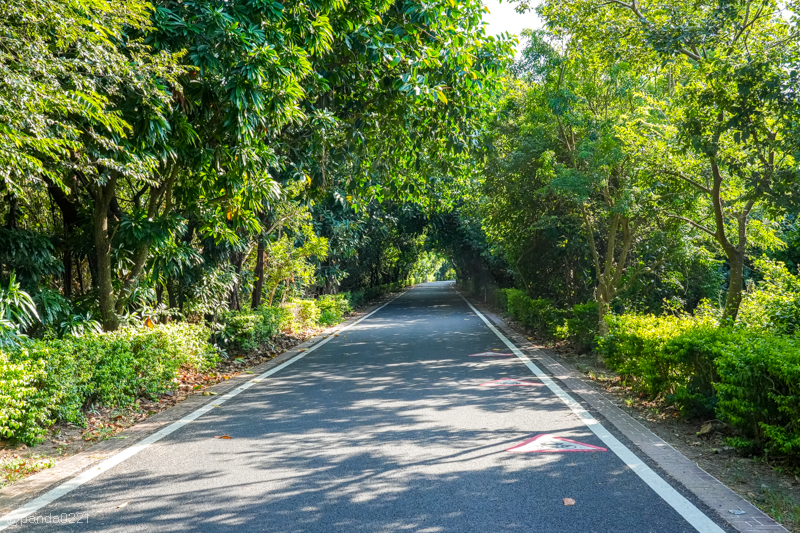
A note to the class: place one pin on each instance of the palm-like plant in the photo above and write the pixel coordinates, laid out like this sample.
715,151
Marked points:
17,306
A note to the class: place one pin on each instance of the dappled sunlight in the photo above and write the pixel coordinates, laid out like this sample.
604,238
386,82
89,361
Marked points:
401,438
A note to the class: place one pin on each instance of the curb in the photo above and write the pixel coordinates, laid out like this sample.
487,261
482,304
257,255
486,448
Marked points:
27,489
700,483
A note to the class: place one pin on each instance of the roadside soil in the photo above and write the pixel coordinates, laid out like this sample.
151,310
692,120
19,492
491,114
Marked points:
64,440
769,485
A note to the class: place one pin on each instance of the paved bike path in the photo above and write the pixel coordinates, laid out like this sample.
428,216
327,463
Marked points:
384,428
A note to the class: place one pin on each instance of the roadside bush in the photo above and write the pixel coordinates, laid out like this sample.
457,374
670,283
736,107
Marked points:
24,406
501,295
773,305
249,331
45,380
580,329
333,308
305,314
356,298
668,356
539,315
748,379
759,392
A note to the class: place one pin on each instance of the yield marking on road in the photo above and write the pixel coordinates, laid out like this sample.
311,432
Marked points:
491,354
546,443
511,383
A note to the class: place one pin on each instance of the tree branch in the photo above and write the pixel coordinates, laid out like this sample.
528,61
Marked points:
693,223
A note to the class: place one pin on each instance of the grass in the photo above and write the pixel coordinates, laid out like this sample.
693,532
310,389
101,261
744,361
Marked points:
780,507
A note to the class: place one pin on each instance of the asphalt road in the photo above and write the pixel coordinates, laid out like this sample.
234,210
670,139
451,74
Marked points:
384,428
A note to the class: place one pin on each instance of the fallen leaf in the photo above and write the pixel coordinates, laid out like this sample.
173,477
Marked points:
122,505
248,372
217,406
568,501
705,429
222,437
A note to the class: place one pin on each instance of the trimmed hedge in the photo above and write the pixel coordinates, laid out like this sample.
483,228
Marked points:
668,356
540,315
577,325
45,380
748,379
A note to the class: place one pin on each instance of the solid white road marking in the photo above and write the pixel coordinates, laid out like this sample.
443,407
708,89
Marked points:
65,488
684,507
511,383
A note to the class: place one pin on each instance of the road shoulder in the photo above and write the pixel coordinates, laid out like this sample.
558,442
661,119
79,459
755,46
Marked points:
683,471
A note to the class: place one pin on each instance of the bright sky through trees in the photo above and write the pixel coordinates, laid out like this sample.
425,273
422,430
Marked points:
503,18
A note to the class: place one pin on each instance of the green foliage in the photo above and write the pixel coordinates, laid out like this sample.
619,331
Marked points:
580,328
16,305
305,314
759,392
749,379
772,305
540,315
333,308
251,330
668,356
45,380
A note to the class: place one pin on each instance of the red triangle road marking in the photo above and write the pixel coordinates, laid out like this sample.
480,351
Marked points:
546,443
508,382
490,354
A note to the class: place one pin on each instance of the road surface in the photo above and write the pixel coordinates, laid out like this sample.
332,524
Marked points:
387,427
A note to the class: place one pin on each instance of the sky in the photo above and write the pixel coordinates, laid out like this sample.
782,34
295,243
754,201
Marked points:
503,18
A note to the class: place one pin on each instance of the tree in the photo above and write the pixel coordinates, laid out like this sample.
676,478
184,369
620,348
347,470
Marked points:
729,119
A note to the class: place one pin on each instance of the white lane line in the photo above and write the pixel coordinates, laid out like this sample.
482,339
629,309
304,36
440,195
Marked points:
684,507
65,488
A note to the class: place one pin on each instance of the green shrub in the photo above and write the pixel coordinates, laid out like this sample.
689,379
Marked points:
45,380
539,315
356,298
759,392
24,406
668,356
580,329
333,308
305,313
501,295
251,330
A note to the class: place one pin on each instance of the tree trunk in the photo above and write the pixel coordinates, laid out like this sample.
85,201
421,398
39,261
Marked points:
102,243
735,254
258,285
67,271
735,285
602,311
172,293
